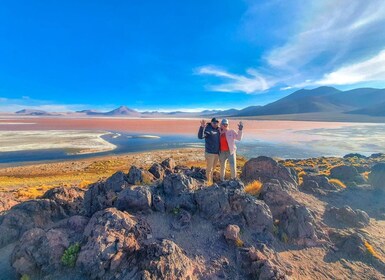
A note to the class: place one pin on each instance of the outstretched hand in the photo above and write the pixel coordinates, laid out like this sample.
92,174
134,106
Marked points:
240,126
203,123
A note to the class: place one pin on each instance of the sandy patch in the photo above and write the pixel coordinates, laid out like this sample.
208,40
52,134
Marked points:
78,142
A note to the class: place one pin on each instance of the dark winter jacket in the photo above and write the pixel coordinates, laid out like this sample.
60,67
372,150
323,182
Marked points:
212,138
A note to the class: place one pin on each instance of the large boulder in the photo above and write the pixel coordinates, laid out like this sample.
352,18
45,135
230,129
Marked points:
157,170
138,176
321,180
168,164
277,198
165,260
136,198
179,192
347,174
377,176
229,204
70,199
299,226
103,194
263,263
111,237
40,213
347,217
264,169
39,252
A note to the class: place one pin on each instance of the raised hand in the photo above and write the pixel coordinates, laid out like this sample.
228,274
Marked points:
240,126
203,123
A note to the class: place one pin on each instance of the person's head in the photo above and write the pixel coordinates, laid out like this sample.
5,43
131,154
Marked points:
214,122
225,124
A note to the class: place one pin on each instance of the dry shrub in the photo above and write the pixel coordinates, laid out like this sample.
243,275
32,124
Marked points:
300,175
33,192
372,251
254,188
84,184
337,183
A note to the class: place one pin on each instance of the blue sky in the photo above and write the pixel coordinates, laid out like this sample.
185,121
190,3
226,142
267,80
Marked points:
184,55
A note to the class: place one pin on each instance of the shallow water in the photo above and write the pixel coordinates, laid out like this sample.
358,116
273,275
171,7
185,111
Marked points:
271,138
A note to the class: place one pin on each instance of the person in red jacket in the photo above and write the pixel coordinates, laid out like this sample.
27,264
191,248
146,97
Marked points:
228,148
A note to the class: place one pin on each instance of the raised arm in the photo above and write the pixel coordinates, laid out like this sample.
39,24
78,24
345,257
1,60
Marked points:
201,132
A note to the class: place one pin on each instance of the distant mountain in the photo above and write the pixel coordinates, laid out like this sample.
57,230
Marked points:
32,112
123,111
319,100
377,110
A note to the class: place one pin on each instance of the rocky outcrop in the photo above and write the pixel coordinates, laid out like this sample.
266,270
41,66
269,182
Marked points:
347,217
103,194
157,170
111,237
70,199
137,176
377,176
316,184
263,263
39,251
347,174
39,213
228,203
264,169
165,260
299,226
277,198
169,164
133,199
179,192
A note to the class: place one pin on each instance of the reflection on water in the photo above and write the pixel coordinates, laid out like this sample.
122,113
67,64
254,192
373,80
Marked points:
284,143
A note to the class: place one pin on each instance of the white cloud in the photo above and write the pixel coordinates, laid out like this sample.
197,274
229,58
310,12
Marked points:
253,83
372,69
333,32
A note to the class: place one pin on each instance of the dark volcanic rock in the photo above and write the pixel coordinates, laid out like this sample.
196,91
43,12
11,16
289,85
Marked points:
165,260
377,176
322,182
228,203
71,199
39,252
264,169
111,238
137,198
102,195
347,217
347,174
179,192
157,170
277,198
300,226
263,263
39,213
168,164
138,176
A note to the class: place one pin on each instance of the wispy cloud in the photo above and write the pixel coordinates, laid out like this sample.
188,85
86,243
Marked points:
252,83
333,32
372,69
327,42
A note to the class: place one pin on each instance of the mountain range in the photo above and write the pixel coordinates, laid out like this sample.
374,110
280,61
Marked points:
322,100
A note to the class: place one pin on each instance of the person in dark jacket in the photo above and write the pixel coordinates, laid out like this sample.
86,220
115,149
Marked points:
210,132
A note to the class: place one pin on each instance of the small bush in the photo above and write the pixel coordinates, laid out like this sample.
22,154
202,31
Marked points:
25,277
337,183
371,251
239,242
70,255
254,188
